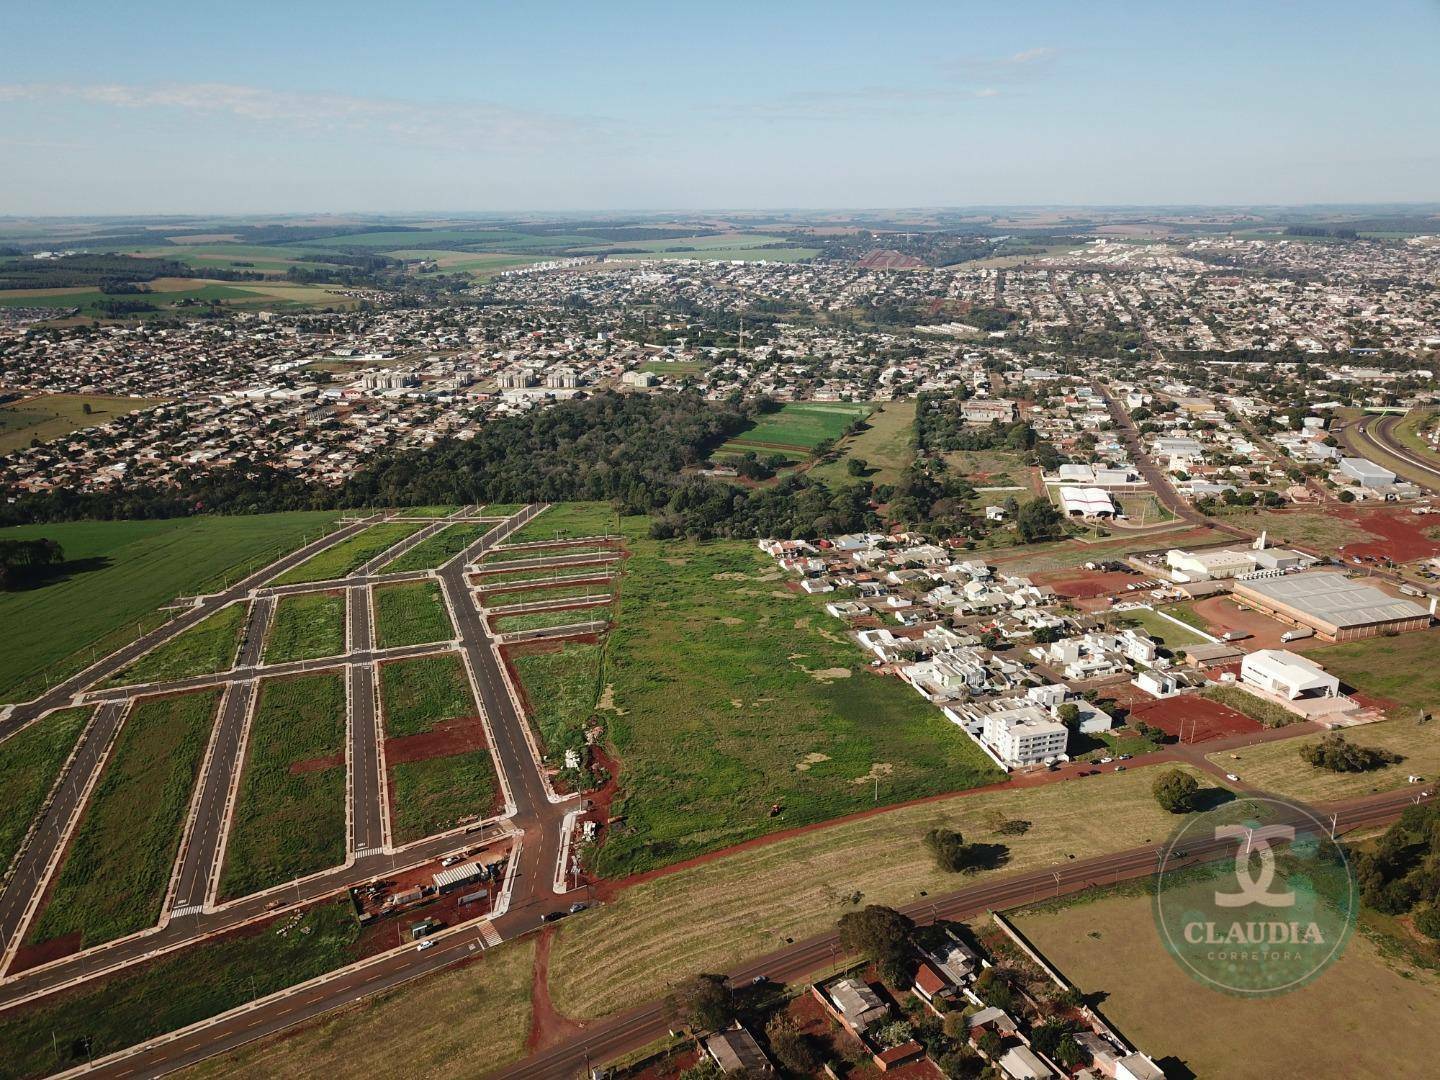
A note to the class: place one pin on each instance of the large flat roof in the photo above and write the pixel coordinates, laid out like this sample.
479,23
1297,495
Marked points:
1331,597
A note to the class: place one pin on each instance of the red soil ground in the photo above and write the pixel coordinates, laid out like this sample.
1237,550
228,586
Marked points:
547,1024
1400,535
1085,583
1223,615
1194,718
318,764
456,736
30,956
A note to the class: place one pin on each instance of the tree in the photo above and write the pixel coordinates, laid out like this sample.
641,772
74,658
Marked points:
1037,521
993,989
857,467
795,1051
1069,714
1335,753
705,1002
990,1044
1175,791
1428,922
950,850
882,936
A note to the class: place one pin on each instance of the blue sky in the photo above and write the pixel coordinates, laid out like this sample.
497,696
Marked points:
314,106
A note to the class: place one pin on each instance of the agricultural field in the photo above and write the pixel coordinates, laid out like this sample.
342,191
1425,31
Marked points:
49,416
207,647
346,557
712,915
290,813
116,870
423,691
797,428
438,549
30,760
306,626
717,671
748,246
542,620
116,576
476,264
411,613
887,446
1109,946
102,1016
465,1021
170,295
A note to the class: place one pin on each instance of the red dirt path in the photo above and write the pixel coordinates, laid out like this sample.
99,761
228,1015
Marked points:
319,764
547,1024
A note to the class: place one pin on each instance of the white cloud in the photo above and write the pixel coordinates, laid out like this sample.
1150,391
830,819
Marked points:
460,125
1029,56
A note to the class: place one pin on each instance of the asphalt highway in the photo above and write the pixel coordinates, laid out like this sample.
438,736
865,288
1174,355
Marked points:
1379,432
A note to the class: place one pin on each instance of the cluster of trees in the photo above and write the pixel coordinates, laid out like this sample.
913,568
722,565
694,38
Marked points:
1336,753
1330,232
796,507
1402,872
99,271
23,562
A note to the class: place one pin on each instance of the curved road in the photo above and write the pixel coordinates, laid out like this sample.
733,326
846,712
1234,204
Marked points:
1378,432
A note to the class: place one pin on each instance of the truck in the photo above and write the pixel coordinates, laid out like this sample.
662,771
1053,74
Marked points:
1299,633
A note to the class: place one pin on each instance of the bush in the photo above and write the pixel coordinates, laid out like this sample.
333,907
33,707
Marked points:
949,848
895,1033
1428,922
1338,755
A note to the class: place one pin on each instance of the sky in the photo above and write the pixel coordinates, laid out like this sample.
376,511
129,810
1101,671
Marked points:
313,106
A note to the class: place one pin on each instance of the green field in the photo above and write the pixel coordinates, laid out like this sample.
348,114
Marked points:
1309,528
1400,668
411,613
117,574
29,764
424,691
117,868
40,419
797,428
709,248
103,1016
462,1021
1163,631
540,620
438,549
559,592
562,688
523,575
306,626
887,446
1110,947
501,509
437,510
346,557
566,521
521,554
290,814
434,795
171,295
726,694
207,647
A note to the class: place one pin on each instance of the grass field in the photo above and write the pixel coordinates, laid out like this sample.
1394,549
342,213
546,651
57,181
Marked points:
306,626
711,916
1110,946
565,521
106,1015
424,691
290,813
542,620
435,510
29,763
439,549
510,577
1312,529
729,694
462,1021
207,647
562,687
1164,632
508,553
117,868
432,796
169,295
411,613
53,415
349,555
560,592
117,574
1400,668
887,446
1267,713
797,428
987,468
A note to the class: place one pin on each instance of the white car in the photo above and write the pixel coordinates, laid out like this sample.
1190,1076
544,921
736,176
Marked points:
428,943
1231,776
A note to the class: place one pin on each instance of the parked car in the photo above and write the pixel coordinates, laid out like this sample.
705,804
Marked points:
428,943
1231,776
577,907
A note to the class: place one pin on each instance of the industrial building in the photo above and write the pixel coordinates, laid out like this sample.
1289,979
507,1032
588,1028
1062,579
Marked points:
1086,502
1366,473
1336,607
1278,672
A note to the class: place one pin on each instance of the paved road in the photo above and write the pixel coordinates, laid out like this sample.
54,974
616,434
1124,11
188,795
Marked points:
46,844
367,806
1378,432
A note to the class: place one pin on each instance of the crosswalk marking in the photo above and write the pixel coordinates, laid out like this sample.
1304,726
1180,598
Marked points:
490,935
363,852
188,909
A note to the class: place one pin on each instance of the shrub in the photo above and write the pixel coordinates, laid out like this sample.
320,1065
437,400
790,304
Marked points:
1337,754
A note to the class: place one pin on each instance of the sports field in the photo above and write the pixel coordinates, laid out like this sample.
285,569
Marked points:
29,763
1110,947
306,626
887,446
410,613
117,868
290,813
711,916
117,575
349,555
207,647
49,416
717,671
797,428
